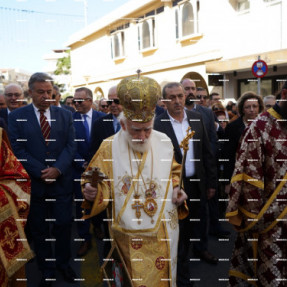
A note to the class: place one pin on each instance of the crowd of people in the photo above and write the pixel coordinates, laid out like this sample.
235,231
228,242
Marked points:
141,179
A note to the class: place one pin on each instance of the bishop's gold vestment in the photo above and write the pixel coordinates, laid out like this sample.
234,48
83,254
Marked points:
144,221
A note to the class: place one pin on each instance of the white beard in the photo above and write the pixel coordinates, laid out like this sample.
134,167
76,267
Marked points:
135,145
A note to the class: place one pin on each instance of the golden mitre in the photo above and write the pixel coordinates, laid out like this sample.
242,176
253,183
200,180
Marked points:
138,96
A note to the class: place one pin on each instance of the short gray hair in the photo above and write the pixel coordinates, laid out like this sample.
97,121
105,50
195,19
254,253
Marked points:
88,92
270,97
13,85
171,85
39,77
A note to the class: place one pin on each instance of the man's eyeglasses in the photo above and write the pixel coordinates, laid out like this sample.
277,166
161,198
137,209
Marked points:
116,101
10,95
79,101
203,97
104,106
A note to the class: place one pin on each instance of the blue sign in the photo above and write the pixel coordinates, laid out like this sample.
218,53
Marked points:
259,69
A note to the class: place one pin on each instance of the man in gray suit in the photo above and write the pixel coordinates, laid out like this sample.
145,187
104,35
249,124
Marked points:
199,176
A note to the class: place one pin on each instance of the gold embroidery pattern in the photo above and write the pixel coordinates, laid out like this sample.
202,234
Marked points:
173,216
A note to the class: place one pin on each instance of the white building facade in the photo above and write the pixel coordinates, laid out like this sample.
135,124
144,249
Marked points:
169,40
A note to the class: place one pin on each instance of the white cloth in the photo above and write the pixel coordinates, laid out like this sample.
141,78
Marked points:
160,170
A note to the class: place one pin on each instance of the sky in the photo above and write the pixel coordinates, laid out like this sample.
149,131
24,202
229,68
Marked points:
31,29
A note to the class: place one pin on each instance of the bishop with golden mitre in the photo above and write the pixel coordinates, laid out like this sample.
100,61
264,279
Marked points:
141,189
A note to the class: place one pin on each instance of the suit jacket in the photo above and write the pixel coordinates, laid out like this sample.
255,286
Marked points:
68,108
3,124
83,146
233,132
4,115
29,146
205,167
208,120
101,129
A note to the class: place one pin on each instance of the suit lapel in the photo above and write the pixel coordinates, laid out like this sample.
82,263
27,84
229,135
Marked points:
54,121
195,126
168,130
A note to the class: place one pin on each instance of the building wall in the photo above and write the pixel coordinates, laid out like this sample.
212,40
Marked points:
223,34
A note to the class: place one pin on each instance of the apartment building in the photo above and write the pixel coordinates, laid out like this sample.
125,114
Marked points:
213,42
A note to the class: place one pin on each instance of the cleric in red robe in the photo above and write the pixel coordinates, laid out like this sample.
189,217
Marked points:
14,207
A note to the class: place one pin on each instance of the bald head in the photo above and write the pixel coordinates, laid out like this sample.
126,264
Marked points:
112,94
113,102
13,96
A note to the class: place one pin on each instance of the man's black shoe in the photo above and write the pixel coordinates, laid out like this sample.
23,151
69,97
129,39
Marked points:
68,274
206,256
45,282
84,248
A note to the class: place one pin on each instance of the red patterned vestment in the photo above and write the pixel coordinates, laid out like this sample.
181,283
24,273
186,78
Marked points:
258,205
14,208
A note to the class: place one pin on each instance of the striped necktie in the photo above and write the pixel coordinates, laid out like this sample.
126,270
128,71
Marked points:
45,127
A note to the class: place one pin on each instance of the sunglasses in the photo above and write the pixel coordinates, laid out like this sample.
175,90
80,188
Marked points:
104,106
199,97
116,101
79,101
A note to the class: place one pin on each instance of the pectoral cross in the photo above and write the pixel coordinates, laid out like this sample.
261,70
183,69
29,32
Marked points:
137,205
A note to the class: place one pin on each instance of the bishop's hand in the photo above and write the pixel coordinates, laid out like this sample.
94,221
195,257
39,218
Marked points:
90,192
178,196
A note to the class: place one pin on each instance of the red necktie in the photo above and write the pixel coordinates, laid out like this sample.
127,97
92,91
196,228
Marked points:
45,127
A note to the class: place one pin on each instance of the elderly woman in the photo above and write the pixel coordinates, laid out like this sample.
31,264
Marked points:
250,106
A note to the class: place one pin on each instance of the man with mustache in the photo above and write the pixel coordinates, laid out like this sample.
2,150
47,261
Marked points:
199,176
141,191
191,103
42,137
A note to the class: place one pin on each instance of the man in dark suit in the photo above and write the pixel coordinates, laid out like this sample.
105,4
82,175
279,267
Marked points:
107,125
102,129
209,119
42,137
84,117
199,175
207,114
13,95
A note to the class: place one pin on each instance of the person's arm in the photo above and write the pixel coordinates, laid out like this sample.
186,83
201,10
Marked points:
247,181
19,142
97,198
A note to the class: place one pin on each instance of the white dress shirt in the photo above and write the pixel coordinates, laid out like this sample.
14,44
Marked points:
180,132
47,114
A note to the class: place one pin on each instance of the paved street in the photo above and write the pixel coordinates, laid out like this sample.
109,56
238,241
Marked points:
203,274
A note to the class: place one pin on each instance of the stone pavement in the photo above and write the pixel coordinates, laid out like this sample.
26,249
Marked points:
203,274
